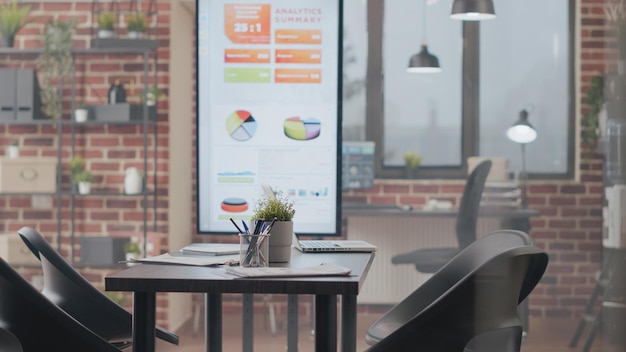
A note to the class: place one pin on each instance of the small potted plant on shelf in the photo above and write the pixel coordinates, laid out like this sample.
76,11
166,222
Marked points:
281,209
14,150
81,113
12,19
136,23
132,251
80,176
412,161
106,24
150,95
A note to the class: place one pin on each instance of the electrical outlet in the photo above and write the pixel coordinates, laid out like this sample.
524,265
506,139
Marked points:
39,201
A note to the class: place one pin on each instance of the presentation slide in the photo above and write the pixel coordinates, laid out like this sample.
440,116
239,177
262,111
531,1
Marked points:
269,111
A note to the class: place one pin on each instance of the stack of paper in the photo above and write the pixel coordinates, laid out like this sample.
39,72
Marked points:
211,248
191,260
324,269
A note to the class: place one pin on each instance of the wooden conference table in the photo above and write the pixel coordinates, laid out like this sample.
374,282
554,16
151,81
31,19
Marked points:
146,280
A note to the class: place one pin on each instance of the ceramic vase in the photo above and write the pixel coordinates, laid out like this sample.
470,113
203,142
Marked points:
280,242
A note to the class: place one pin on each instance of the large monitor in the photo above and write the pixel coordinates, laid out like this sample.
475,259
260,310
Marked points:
269,111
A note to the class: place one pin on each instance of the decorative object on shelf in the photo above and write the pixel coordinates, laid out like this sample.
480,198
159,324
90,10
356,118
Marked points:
412,162
133,182
80,175
55,65
424,62
81,113
106,24
132,251
150,95
281,232
136,23
522,132
12,19
14,150
117,93
472,10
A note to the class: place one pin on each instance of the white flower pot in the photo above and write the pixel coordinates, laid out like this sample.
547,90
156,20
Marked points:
13,152
135,35
80,115
105,33
130,257
133,183
84,187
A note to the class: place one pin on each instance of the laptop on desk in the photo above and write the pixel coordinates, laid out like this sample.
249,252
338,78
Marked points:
309,246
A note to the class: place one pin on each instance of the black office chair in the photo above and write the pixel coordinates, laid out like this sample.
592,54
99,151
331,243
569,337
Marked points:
38,324
73,293
429,260
470,304
9,342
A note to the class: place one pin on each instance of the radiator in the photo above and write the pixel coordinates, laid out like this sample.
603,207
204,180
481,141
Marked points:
387,283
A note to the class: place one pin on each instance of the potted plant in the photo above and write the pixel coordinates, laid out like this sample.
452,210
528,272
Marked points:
132,251
150,95
412,161
282,210
12,19
136,23
594,99
14,150
81,113
55,65
80,175
106,24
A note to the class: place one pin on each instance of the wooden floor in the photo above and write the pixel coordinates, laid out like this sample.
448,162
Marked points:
545,335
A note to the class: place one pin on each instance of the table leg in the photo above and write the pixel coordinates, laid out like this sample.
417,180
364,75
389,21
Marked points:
292,323
144,321
213,324
248,322
348,323
326,323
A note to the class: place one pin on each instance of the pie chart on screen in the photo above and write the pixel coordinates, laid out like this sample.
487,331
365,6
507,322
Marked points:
241,125
302,129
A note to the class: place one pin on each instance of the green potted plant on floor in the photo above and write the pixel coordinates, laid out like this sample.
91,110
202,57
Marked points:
12,19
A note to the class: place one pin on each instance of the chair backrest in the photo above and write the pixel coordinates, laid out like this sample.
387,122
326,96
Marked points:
476,292
39,324
470,204
64,286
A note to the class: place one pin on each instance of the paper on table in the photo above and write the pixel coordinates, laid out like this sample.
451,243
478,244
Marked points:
211,248
190,260
324,269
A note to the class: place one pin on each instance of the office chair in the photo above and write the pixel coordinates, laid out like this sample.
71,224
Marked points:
74,294
470,304
429,260
38,324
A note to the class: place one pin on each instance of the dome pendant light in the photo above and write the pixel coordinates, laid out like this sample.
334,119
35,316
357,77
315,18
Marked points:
472,10
424,62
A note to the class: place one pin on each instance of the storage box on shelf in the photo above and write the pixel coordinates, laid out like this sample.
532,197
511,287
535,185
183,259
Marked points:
28,175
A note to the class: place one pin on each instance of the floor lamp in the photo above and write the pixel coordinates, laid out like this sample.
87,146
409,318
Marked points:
522,132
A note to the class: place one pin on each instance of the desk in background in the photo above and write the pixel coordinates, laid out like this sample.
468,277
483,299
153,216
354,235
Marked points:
147,279
395,230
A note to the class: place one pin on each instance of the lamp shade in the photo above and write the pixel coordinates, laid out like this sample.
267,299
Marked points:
423,62
472,10
522,131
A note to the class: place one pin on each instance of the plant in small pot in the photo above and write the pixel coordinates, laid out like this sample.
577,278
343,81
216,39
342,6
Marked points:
106,24
412,162
150,95
13,151
81,113
136,23
281,234
132,251
12,19
80,176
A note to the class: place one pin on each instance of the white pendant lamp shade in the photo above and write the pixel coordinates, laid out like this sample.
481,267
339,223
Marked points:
472,10
423,62
522,131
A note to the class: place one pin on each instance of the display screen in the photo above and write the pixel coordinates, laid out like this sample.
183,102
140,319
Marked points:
269,111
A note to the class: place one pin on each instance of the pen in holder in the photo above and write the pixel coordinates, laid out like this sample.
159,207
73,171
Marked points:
254,250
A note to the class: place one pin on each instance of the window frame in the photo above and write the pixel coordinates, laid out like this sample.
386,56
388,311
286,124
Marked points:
470,105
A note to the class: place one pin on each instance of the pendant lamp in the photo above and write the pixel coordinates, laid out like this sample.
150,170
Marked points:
424,61
472,10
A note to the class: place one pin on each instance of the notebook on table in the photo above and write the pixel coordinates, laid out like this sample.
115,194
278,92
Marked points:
307,246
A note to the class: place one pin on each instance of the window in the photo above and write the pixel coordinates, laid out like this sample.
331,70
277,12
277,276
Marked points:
491,71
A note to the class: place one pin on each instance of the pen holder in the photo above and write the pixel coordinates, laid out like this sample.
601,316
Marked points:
254,250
